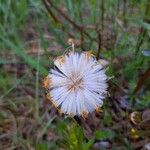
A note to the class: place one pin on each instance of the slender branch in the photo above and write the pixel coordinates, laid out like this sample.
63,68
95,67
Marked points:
124,13
99,44
74,24
82,40
50,12
99,35
65,16
142,80
55,18
102,15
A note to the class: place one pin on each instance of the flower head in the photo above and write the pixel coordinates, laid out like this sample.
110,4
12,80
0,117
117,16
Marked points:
77,83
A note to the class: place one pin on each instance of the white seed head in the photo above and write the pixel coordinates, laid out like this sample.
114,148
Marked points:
78,83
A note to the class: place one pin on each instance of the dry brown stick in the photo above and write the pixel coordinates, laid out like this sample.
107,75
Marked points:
99,35
50,12
99,44
124,13
82,40
55,18
65,16
74,24
81,33
102,15
142,80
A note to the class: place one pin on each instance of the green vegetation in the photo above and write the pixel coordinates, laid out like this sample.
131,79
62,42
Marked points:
33,33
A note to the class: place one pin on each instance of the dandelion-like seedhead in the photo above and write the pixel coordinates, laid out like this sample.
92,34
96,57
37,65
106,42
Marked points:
77,84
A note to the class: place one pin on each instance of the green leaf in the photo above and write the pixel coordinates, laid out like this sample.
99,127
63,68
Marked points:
104,134
87,145
41,146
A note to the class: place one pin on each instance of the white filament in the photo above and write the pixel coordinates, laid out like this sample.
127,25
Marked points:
78,84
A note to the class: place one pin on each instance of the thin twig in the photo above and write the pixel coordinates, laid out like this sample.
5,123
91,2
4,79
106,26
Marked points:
37,87
50,12
124,13
102,15
99,35
74,24
82,40
99,44
56,19
142,80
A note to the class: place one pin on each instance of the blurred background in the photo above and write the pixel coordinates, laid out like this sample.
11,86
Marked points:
33,33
